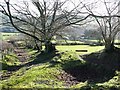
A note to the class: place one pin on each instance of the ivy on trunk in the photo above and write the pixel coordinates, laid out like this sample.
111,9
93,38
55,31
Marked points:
49,47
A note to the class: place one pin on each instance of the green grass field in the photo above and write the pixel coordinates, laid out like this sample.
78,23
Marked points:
45,75
79,47
5,36
116,41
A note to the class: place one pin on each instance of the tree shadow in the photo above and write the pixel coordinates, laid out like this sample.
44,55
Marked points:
97,67
90,72
39,59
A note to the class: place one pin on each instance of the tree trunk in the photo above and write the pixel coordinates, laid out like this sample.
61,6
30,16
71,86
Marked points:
38,47
49,47
109,46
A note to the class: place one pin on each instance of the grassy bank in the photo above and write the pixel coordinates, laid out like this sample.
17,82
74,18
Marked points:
52,74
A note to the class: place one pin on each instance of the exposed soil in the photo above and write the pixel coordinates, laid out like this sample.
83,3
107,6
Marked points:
68,79
22,56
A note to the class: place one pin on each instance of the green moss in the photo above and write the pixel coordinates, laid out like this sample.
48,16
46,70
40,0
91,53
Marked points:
11,59
114,82
80,85
44,75
38,76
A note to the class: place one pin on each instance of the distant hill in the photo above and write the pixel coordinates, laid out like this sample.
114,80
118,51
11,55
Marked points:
8,30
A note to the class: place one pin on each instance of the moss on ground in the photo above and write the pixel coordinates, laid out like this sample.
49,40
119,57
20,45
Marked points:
51,74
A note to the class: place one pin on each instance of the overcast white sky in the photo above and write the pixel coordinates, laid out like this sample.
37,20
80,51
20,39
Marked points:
99,7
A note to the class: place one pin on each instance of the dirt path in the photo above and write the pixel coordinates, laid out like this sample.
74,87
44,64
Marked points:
23,57
22,54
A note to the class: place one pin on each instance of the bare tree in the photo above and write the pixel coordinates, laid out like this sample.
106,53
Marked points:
42,23
107,21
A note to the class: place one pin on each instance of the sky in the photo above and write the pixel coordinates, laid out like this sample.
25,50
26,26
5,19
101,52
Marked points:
98,8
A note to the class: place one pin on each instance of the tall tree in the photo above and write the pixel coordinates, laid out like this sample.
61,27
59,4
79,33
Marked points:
42,23
107,21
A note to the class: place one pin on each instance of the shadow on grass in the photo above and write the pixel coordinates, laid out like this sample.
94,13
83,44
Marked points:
97,68
89,72
39,59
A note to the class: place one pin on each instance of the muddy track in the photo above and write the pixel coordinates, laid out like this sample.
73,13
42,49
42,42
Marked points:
22,55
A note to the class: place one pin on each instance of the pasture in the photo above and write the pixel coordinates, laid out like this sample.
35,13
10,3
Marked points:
6,36
73,48
65,69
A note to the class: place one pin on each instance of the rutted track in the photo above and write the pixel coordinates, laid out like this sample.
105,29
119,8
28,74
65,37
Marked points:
23,57
21,54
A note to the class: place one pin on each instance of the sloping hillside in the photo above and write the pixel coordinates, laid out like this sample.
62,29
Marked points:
67,70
